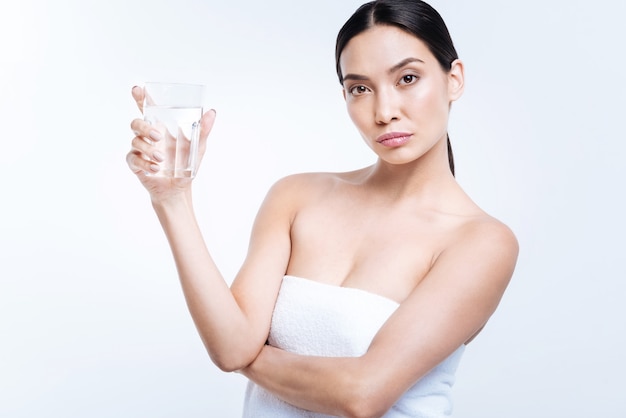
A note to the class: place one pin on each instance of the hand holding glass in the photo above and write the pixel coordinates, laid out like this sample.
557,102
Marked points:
174,110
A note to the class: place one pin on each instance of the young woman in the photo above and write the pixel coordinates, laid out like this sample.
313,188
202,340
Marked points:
360,289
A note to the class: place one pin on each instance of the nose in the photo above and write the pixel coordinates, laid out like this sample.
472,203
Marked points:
386,108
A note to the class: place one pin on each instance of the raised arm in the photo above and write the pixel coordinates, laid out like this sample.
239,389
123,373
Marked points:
233,325
449,306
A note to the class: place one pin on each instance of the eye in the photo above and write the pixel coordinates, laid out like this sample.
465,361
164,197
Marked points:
358,90
408,79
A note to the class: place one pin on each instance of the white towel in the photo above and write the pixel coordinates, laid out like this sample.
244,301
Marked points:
312,318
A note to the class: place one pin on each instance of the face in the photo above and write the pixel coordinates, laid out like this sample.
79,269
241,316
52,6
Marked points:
397,94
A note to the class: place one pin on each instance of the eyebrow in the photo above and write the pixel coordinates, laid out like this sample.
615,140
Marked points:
392,70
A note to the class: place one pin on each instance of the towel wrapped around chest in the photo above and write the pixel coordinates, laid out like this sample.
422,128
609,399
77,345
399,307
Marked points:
312,318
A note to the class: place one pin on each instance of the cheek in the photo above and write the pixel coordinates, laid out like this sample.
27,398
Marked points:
356,114
430,105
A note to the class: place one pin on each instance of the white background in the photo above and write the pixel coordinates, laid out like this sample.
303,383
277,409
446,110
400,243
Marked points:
92,320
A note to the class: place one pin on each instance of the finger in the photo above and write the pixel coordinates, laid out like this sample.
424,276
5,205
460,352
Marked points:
142,128
138,95
140,165
146,150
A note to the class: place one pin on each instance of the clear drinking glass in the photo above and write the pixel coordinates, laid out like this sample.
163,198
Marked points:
174,110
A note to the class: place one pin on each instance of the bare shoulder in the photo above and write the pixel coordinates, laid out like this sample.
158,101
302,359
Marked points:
302,188
489,231
488,244
308,181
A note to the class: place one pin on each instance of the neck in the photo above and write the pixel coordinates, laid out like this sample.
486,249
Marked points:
427,177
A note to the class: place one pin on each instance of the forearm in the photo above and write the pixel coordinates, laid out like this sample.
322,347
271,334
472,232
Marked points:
331,385
222,325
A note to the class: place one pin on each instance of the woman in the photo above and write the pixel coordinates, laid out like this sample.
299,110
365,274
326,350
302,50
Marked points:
365,285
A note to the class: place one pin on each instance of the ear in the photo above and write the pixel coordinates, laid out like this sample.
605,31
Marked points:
456,80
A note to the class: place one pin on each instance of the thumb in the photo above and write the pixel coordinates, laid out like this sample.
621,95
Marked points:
138,94
206,124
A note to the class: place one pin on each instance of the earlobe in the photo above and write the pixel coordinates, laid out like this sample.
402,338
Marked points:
456,80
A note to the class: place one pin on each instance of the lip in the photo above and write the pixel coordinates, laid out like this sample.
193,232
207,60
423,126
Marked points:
394,139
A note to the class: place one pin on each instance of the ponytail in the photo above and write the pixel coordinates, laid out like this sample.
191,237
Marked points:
450,156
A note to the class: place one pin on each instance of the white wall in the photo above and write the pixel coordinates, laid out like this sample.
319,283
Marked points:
92,321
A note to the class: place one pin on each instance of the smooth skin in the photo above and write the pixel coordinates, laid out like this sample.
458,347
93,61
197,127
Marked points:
402,228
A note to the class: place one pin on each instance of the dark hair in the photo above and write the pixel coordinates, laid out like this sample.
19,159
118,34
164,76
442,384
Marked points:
413,16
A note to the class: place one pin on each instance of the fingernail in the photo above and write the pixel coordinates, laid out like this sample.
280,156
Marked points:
156,135
154,167
134,87
158,156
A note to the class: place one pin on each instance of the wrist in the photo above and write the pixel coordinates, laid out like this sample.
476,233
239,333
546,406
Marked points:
177,202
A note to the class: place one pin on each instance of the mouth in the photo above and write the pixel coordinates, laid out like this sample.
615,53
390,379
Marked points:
394,139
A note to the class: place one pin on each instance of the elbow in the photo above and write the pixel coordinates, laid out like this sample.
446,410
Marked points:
230,364
227,366
364,408
230,356
231,360
367,400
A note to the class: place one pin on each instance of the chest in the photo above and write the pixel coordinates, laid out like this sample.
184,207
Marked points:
384,250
